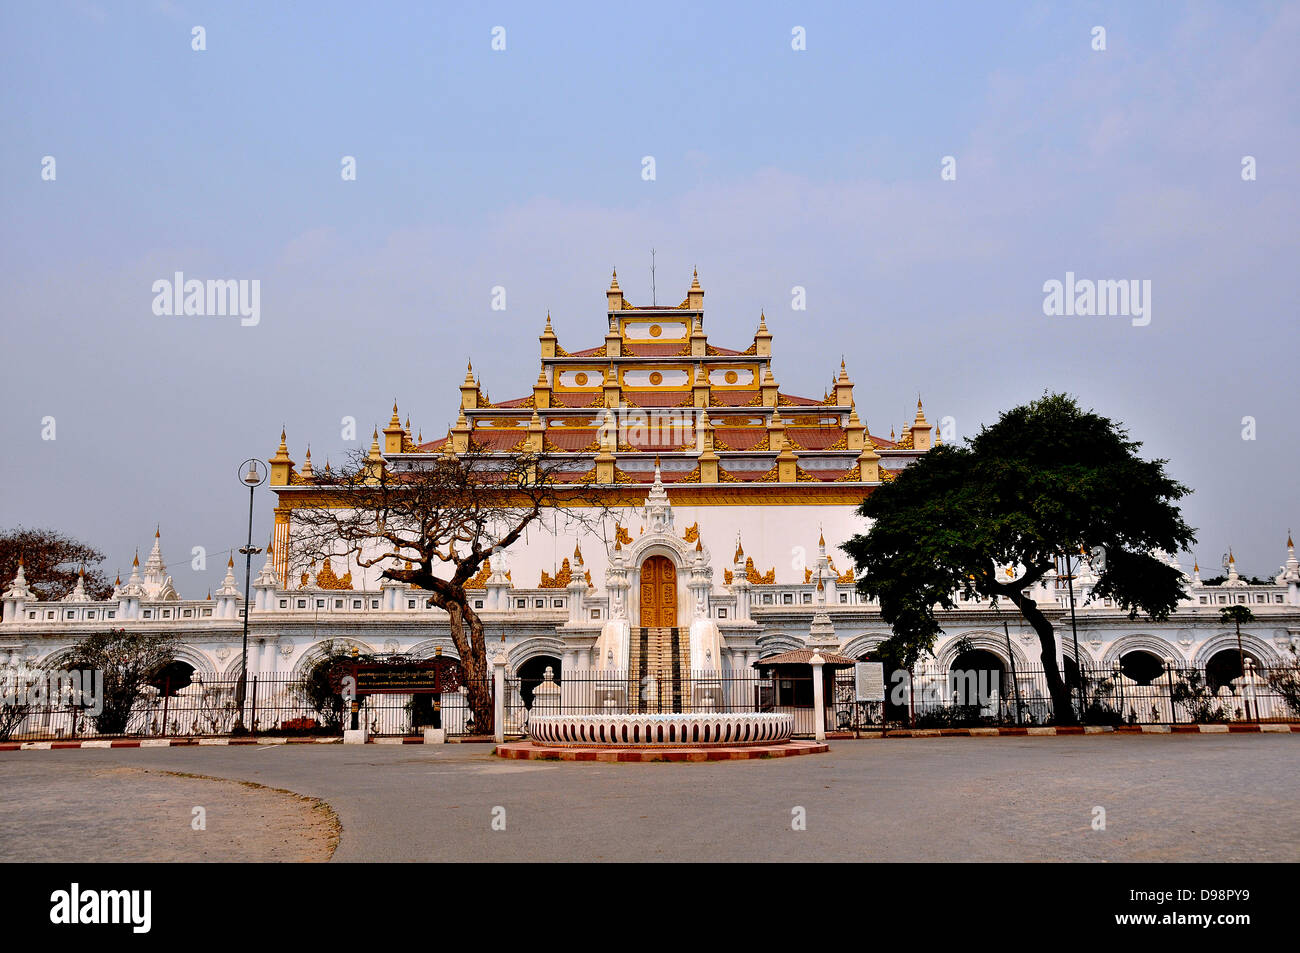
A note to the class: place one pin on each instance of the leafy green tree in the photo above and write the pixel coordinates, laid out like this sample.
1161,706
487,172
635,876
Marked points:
1237,614
316,687
129,662
1047,479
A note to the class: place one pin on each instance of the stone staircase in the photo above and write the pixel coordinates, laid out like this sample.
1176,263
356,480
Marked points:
659,669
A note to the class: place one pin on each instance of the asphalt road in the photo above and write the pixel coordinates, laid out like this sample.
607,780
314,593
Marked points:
1165,797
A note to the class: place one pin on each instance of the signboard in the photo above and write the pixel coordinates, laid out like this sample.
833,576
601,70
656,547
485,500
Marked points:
433,676
869,681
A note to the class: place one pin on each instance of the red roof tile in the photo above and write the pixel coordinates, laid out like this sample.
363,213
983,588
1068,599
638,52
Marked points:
814,438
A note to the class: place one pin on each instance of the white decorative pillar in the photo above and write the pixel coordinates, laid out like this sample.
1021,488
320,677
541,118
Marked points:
546,696
819,696
499,695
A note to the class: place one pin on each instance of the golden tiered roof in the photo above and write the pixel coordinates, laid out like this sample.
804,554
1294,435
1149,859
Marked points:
716,415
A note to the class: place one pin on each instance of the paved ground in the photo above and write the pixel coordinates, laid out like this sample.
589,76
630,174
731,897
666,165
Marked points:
1166,798
67,811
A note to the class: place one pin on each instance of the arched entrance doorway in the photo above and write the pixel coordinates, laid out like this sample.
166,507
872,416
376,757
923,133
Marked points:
1225,666
172,677
531,673
1141,666
977,679
658,593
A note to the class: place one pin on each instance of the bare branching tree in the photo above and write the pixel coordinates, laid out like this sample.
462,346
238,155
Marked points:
433,525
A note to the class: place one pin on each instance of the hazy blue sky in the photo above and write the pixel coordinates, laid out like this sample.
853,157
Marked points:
522,168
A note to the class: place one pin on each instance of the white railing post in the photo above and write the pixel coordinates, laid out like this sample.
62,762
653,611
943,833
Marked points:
819,696
499,696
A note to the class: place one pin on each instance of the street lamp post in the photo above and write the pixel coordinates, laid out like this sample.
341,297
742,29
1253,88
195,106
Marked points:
1074,628
252,478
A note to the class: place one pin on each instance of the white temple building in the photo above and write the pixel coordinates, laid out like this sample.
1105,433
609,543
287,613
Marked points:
720,534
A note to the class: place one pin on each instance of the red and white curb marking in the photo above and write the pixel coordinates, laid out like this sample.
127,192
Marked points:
831,736
165,743
526,751
1028,731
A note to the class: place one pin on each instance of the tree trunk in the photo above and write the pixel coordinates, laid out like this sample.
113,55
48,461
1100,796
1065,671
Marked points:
472,649
1062,703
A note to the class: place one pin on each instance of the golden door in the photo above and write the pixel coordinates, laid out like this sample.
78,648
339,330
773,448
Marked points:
658,593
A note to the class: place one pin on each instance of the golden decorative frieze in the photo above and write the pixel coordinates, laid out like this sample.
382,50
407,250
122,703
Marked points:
559,580
326,579
759,579
480,579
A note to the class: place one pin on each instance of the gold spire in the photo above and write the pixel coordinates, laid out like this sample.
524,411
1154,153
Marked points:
469,373
395,421
613,282
135,563
695,280
762,320
282,452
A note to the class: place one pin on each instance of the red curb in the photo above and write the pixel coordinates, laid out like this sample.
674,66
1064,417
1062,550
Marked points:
527,751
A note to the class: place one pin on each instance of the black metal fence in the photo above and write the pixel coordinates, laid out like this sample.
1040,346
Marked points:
273,705
992,697
282,705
